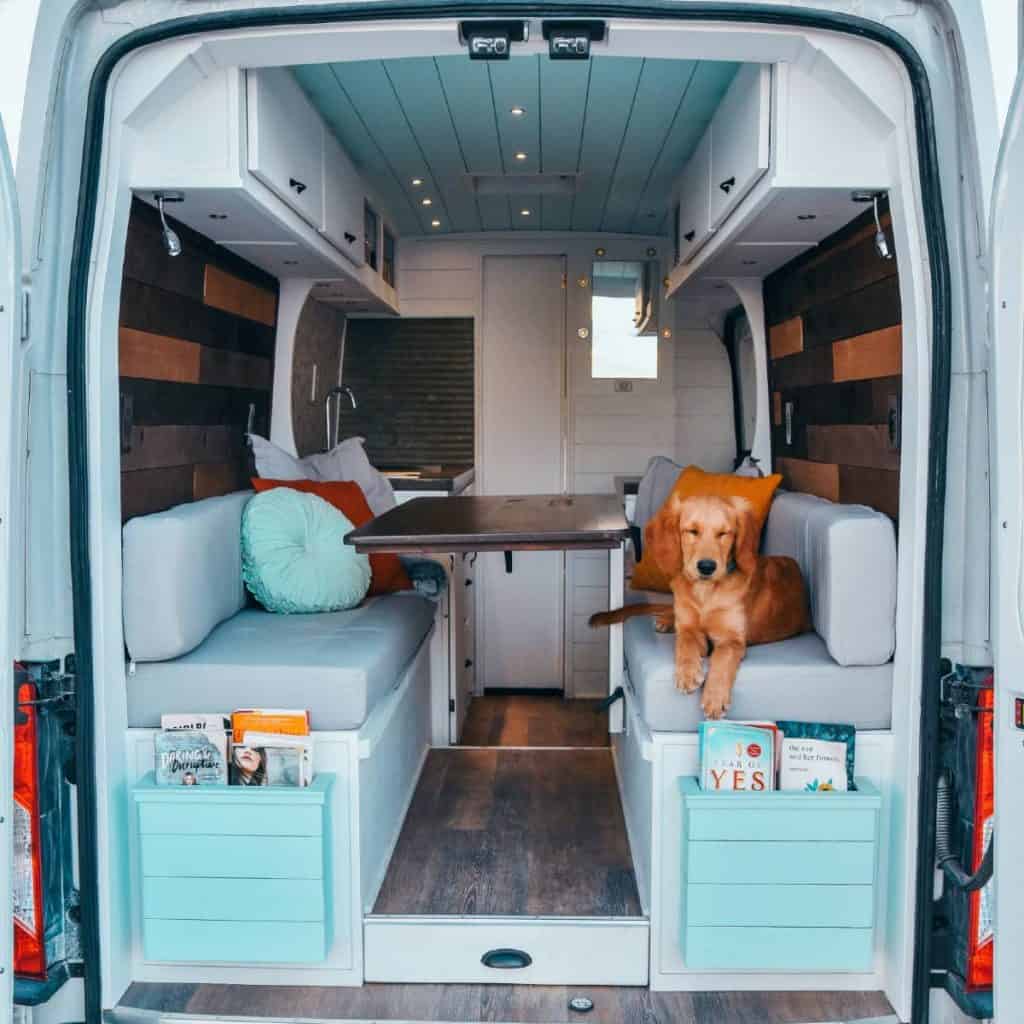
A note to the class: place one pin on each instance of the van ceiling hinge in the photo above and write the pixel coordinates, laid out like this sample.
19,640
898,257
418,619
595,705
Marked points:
26,320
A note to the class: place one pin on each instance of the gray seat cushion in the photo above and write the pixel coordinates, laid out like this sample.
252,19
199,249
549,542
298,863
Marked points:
795,680
338,665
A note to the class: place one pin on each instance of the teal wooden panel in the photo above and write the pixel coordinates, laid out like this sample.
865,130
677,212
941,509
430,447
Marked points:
662,86
563,104
418,86
322,88
241,818
813,823
233,899
707,87
786,863
613,86
516,82
275,942
778,949
800,906
232,856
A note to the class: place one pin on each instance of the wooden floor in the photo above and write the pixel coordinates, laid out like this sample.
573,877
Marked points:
496,831
524,1004
527,720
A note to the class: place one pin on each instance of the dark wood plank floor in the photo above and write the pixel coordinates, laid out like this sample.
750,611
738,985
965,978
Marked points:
528,720
524,1004
496,831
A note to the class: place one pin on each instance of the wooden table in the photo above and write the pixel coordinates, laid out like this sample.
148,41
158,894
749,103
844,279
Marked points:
533,522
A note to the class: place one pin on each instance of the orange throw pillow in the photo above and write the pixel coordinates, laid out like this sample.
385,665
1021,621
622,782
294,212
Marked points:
387,574
693,481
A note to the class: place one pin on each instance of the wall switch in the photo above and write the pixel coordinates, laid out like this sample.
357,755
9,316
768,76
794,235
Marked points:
623,386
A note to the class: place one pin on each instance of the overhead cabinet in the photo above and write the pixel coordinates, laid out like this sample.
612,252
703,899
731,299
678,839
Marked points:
343,204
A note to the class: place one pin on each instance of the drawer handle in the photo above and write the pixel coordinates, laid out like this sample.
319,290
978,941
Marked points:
726,186
690,236
349,237
506,959
299,186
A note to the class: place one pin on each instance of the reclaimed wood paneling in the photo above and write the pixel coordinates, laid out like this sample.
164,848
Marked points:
845,380
190,371
234,295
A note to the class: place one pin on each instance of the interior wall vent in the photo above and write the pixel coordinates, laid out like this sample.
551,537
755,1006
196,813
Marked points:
524,184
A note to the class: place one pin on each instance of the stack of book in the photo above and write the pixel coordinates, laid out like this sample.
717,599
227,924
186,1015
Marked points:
761,757
250,747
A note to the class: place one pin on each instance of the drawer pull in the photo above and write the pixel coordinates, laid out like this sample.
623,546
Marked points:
690,236
726,186
299,186
506,959
349,237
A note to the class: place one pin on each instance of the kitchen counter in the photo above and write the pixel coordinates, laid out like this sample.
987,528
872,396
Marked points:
448,479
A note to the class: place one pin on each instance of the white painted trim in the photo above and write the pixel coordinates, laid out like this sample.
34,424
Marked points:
751,293
291,298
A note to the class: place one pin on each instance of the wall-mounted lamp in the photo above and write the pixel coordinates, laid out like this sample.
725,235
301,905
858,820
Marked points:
881,242
172,243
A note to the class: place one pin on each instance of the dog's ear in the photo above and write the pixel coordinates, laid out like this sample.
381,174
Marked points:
744,551
661,538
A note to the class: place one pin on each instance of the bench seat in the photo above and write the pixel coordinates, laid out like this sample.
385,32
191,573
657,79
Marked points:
337,664
796,679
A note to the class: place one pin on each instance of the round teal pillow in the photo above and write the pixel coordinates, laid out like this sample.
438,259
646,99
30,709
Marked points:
294,558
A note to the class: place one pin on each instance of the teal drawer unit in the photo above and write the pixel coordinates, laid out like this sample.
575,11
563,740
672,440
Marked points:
779,881
233,874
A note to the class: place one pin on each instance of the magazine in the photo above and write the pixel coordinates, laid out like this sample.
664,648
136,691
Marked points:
272,759
191,757
817,757
199,722
274,720
736,757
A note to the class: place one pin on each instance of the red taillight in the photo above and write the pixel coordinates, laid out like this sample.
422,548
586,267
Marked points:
980,941
27,881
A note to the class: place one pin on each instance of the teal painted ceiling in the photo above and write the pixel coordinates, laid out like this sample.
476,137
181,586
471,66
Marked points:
624,125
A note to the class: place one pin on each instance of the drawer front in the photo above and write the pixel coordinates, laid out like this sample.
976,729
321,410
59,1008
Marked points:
778,949
824,863
739,141
797,906
232,856
778,824
239,818
233,899
273,942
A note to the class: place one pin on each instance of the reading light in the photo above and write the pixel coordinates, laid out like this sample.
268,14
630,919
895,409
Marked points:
881,242
172,243
492,40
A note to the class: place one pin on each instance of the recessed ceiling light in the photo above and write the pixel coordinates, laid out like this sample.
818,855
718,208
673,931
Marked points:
524,213
427,202
520,155
517,111
416,182
435,223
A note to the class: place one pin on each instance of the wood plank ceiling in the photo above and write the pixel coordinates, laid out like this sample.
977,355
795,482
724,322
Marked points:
625,125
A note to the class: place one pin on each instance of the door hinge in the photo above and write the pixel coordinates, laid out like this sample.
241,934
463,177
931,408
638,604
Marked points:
565,280
451,704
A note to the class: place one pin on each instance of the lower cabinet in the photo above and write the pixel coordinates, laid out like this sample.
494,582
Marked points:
779,881
235,874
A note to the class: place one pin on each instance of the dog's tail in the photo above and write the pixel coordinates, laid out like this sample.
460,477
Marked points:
660,609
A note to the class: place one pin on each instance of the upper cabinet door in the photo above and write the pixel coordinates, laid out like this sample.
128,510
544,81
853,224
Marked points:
286,141
1006,390
694,225
739,139
344,200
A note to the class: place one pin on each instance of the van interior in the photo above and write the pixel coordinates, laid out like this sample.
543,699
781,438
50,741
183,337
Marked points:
518,259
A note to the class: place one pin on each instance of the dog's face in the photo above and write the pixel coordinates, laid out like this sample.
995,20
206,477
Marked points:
701,538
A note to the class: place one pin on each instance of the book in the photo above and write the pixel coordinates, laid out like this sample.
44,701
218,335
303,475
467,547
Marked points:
736,757
272,759
191,757
275,720
197,722
817,757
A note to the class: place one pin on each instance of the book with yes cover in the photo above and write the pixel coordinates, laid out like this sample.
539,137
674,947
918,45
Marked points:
817,757
736,757
278,720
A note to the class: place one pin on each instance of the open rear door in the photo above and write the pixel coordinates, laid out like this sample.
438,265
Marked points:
1007,395
9,339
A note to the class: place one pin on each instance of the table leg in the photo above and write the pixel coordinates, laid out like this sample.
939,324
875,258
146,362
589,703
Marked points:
616,586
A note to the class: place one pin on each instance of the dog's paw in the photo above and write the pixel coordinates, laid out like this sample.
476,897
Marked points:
690,675
715,700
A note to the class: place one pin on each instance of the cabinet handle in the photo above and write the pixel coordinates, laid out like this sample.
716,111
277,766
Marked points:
506,959
469,583
690,236
726,186
299,186
349,237
468,663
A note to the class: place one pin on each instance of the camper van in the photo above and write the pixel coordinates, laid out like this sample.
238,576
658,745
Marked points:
355,357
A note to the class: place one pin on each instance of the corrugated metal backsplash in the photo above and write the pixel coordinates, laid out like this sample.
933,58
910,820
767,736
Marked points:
413,380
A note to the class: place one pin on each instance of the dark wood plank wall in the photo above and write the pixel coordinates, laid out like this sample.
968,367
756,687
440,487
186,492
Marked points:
413,380
835,349
196,347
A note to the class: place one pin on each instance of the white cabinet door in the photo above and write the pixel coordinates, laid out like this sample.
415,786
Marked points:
521,408
694,225
739,139
286,141
344,200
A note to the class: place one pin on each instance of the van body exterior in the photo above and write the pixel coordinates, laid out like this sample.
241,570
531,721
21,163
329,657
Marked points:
43,506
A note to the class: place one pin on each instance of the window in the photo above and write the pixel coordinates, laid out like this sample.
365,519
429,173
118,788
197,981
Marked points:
624,329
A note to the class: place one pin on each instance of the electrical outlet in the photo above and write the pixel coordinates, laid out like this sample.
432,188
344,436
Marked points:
623,386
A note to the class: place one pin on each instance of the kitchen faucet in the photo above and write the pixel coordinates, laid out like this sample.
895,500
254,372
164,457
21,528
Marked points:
335,392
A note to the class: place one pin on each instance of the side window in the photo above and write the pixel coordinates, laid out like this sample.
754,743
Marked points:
624,320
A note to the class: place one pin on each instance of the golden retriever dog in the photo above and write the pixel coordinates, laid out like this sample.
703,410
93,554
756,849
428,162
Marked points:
725,596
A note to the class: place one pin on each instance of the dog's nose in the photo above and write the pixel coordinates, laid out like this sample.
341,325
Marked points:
706,566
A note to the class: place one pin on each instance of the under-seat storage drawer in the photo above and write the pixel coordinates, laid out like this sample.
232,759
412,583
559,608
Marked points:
234,874
779,881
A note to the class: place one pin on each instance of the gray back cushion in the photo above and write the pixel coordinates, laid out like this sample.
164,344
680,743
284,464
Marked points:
654,488
182,575
847,554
